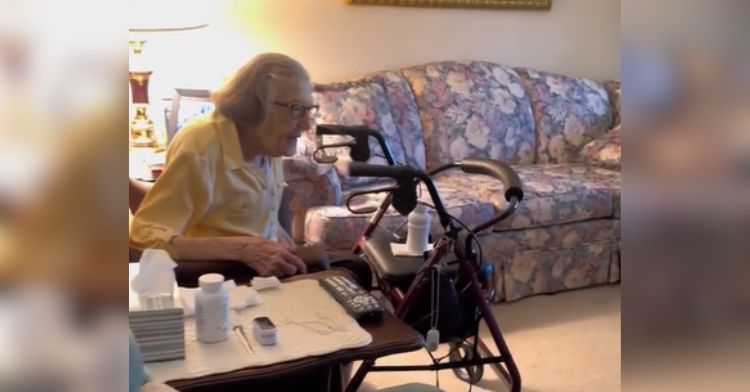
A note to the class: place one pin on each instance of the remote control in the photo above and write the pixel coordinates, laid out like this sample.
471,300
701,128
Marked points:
356,301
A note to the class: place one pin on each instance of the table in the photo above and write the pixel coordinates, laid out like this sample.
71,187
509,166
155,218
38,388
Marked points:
390,336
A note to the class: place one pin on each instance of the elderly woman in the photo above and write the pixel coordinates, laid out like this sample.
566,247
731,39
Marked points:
220,192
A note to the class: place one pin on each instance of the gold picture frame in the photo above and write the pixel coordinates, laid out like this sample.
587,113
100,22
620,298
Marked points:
497,4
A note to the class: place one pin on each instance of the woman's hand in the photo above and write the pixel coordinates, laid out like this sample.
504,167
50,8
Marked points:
266,257
269,258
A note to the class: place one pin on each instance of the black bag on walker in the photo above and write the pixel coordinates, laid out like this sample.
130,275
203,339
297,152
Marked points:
456,311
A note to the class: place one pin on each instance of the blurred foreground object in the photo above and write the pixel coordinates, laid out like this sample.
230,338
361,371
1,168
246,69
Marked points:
686,203
63,271
63,163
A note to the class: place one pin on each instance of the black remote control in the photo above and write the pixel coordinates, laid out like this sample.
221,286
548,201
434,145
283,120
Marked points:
358,303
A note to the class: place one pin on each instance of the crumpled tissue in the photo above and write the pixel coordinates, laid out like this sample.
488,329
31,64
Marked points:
155,278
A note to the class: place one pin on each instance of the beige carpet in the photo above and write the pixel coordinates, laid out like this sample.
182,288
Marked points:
568,342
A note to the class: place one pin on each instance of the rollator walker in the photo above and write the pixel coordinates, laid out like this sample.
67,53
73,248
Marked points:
448,289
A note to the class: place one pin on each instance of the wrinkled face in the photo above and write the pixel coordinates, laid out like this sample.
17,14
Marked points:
289,114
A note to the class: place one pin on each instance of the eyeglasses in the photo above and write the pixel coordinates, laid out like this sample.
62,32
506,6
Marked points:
298,110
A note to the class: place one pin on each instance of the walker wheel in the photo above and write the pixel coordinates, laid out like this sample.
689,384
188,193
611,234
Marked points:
464,351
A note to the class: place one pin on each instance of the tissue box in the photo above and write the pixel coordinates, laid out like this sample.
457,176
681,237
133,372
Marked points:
157,323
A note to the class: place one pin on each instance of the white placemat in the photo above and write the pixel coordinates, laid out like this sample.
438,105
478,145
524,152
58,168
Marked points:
309,323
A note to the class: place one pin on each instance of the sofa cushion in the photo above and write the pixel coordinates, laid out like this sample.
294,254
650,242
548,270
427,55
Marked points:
472,109
553,194
569,113
604,151
405,116
339,228
563,193
370,102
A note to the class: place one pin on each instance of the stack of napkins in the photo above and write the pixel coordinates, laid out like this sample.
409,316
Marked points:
158,324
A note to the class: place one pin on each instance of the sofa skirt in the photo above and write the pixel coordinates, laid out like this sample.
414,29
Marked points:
553,259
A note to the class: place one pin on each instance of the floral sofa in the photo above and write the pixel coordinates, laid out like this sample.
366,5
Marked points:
560,133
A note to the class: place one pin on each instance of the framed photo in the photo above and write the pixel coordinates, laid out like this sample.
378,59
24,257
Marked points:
500,4
186,105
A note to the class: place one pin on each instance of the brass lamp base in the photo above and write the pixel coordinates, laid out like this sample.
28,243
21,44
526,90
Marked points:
142,130
141,127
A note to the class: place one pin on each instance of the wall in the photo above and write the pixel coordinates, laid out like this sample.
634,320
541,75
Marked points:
338,41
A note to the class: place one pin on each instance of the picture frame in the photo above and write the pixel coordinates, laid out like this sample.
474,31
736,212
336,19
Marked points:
493,4
187,103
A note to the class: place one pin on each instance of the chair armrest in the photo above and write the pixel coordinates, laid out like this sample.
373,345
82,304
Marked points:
319,183
302,168
310,184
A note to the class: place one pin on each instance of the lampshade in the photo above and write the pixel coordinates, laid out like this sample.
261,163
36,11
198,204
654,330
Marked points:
150,16
147,17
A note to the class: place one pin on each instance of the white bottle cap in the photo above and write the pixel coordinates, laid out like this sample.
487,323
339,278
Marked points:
211,282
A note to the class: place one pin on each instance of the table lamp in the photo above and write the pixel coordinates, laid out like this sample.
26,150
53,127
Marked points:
146,18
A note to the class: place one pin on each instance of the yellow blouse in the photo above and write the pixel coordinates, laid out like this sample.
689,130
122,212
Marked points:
207,189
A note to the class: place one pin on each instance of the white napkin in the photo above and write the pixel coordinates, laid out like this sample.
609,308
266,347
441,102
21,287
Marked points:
240,297
155,274
270,282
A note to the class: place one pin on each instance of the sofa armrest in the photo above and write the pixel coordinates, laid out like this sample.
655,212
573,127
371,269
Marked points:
614,90
310,184
604,151
318,183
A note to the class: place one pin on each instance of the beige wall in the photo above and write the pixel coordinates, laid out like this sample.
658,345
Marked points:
338,41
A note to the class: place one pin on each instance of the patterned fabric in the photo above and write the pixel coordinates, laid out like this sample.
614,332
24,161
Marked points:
553,194
499,246
604,151
365,102
569,112
296,168
309,184
556,194
472,109
565,233
306,144
553,270
312,183
338,228
405,115
614,89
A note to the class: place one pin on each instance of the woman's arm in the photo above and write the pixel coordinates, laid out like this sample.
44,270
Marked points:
266,257
179,197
